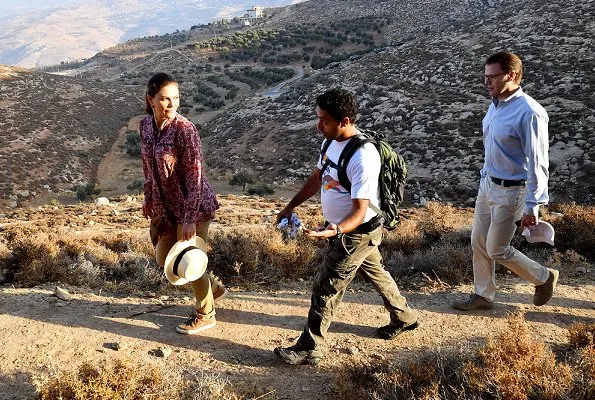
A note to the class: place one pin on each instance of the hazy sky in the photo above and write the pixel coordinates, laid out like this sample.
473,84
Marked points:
10,7
45,32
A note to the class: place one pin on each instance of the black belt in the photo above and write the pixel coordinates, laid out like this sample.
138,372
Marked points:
370,225
505,183
366,227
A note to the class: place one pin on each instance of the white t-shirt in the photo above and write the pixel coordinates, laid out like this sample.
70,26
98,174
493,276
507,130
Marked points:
362,171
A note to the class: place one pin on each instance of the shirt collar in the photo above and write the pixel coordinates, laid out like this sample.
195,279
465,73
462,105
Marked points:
517,93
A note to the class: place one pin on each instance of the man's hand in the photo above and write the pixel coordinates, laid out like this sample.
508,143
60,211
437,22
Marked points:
188,231
321,232
528,221
285,213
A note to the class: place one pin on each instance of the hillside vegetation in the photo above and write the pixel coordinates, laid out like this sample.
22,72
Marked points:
415,66
425,91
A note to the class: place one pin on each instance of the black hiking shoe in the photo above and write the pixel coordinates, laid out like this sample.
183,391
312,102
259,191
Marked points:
389,332
294,356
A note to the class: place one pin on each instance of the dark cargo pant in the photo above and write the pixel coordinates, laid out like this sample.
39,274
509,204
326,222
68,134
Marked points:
352,253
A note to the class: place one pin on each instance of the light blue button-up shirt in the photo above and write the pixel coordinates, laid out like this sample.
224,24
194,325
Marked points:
515,138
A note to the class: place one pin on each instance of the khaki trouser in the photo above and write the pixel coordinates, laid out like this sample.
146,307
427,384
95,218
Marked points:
496,210
353,253
202,287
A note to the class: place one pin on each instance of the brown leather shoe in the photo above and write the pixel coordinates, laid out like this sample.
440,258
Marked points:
195,324
544,293
474,302
220,292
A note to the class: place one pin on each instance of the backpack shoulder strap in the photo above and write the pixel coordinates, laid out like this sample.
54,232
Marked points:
323,149
355,143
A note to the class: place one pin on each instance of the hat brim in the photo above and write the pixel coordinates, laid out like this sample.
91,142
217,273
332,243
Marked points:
543,234
539,239
173,253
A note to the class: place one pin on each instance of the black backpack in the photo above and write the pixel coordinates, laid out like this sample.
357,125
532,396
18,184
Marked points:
393,174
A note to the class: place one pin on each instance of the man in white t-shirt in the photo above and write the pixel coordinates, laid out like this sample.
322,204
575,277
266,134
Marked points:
353,230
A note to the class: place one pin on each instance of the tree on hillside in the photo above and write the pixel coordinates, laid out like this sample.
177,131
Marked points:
242,178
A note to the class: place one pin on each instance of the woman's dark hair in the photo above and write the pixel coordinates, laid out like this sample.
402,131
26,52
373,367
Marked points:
154,85
339,103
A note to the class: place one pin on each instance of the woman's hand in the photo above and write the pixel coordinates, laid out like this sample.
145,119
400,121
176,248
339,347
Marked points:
188,231
147,210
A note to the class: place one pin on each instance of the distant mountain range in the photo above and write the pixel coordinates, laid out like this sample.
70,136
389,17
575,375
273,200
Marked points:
41,34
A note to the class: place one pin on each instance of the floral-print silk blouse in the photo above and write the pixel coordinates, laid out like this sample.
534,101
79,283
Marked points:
172,158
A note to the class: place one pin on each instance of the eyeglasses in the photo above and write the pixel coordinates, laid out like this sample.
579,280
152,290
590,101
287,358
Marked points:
490,78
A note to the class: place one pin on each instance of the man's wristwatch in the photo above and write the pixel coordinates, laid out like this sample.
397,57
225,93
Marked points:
338,230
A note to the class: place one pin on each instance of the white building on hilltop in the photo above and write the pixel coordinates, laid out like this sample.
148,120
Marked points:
252,15
255,12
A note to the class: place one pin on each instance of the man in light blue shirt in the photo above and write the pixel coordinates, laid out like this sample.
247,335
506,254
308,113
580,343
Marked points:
513,184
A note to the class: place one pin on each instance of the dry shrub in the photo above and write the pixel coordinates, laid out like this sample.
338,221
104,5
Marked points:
582,340
449,262
581,335
570,263
126,380
517,367
584,387
421,229
440,220
513,366
434,242
407,238
37,258
436,374
118,381
576,229
259,254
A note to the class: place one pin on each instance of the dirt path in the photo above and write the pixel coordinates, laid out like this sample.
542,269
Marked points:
117,169
40,332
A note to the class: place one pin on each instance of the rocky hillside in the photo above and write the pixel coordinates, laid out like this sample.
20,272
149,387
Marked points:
425,91
416,66
56,129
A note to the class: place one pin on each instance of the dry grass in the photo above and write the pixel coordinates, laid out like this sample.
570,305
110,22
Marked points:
570,263
515,366
582,340
432,243
512,366
575,230
126,380
42,257
442,220
119,381
582,335
259,254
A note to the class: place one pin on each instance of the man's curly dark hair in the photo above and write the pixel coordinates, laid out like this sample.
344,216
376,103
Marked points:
339,103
